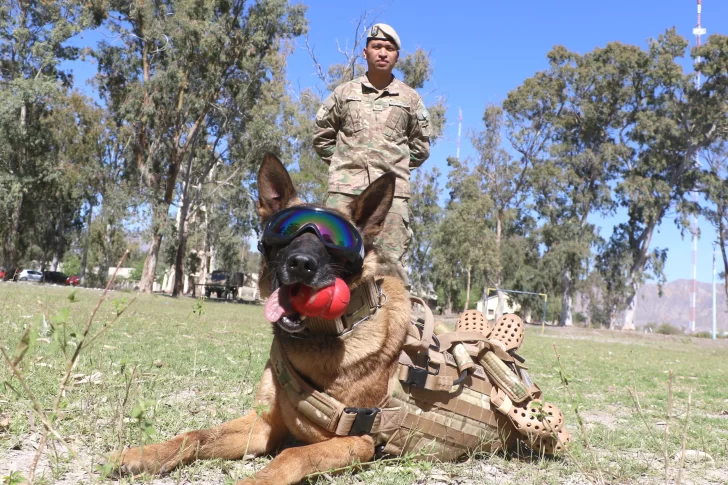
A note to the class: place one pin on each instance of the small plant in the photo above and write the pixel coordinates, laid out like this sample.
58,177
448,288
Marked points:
144,422
15,478
667,329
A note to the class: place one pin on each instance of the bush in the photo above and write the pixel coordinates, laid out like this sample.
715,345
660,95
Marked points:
72,264
667,329
580,319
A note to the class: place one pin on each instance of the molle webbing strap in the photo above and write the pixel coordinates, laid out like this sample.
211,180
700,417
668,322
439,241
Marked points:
472,405
326,411
317,406
363,303
428,328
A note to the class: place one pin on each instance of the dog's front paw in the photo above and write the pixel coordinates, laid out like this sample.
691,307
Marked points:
147,459
253,481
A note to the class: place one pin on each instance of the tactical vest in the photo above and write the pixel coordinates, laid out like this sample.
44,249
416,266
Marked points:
453,392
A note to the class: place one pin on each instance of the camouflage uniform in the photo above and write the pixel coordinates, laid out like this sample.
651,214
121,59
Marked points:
362,133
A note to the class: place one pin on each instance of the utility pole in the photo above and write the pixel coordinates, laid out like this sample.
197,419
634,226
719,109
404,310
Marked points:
698,31
715,313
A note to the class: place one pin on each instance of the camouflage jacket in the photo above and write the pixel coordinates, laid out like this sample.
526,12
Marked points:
362,133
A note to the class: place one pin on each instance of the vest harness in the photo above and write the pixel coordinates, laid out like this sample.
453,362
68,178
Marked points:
452,391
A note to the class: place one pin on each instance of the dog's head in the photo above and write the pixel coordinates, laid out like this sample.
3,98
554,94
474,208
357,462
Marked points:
305,259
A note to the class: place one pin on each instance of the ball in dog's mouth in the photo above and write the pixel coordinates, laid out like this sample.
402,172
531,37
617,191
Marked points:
278,310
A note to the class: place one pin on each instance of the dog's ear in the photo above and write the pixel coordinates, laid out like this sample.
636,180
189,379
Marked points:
370,208
275,187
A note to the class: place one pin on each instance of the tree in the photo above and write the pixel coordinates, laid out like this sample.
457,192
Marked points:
464,243
425,215
505,181
583,97
714,184
666,121
33,37
186,69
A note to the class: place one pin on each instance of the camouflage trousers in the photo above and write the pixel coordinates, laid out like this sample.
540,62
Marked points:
394,240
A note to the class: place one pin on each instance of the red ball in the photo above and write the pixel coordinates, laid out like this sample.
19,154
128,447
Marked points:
329,303
309,302
339,301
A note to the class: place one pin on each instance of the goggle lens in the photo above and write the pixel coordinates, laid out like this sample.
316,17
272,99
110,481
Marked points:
333,229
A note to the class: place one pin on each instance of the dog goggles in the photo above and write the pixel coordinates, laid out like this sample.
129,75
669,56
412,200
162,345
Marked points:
335,232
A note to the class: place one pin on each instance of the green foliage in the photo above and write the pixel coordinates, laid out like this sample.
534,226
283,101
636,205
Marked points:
667,329
191,77
72,264
15,478
424,217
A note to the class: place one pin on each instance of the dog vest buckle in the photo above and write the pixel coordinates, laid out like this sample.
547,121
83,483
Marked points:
417,377
363,421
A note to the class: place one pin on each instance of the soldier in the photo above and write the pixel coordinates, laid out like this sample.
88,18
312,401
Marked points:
369,126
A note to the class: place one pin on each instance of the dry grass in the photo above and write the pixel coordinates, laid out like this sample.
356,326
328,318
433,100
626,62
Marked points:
164,368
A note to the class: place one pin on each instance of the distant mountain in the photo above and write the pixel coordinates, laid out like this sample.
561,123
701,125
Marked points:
674,305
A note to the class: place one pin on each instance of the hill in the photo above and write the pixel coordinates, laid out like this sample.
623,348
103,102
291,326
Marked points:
674,305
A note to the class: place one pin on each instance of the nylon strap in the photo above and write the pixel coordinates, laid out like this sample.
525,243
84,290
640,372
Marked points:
321,408
363,303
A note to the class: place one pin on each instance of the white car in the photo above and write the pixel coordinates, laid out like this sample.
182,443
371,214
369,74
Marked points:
30,275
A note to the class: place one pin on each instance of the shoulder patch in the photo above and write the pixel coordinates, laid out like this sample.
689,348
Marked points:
325,107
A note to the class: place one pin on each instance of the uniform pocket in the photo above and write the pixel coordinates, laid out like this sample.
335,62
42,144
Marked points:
396,125
351,116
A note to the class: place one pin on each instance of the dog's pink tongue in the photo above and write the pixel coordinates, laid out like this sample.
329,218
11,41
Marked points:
274,308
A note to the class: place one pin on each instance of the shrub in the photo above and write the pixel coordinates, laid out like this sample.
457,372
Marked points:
667,329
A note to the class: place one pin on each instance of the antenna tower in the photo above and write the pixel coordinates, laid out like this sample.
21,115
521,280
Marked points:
698,31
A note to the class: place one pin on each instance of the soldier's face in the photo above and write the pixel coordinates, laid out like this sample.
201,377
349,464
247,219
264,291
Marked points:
381,55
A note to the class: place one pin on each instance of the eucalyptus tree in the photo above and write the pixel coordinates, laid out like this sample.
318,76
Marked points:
183,70
33,44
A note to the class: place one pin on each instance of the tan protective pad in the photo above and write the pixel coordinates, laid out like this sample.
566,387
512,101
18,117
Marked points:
509,330
473,321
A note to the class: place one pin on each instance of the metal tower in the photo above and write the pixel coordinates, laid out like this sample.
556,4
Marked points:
698,31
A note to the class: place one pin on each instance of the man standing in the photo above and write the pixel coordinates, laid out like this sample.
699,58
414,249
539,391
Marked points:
370,126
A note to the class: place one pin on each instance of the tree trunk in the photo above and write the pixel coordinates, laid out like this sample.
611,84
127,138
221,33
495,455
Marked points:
637,267
566,299
722,214
629,311
149,274
527,315
467,290
86,243
10,255
9,252
501,306
179,260
58,253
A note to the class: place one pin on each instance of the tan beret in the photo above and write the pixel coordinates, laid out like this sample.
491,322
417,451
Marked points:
384,32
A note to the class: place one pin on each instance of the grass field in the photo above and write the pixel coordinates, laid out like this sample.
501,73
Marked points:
165,367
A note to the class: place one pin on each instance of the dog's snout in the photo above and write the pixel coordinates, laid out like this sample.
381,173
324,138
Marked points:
302,266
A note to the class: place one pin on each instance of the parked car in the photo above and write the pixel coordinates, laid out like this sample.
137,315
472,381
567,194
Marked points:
30,275
55,277
74,280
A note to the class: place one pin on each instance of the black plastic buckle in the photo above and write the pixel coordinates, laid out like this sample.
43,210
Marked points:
364,420
417,377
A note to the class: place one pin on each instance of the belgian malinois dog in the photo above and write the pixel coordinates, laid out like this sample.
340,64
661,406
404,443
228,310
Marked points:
354,370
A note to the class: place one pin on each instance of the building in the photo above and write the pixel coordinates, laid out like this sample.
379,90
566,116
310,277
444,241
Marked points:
489,306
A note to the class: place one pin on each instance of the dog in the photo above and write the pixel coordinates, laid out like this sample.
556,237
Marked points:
354,370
